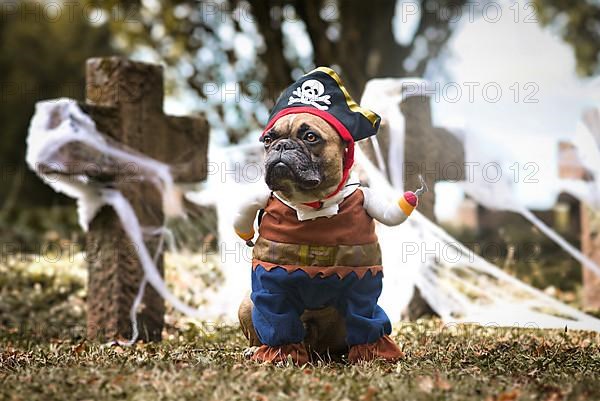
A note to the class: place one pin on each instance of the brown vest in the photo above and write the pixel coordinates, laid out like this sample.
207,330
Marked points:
340,244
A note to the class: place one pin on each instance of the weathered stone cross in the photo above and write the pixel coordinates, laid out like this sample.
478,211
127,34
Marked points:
590,245
590,228
572,168
429,151
432,152
125,100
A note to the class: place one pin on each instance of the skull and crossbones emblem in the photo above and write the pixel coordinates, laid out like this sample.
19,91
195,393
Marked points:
311,93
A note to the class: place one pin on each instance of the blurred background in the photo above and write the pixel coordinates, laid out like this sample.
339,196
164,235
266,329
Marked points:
514,77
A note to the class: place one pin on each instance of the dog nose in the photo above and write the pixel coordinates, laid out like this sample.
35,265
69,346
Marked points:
284,144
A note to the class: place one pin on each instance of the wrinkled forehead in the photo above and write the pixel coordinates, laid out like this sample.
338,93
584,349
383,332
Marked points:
290,124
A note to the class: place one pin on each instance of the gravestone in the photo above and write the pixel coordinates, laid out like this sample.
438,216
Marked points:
571,167
437,155
590,246
125,100
590,223
432,152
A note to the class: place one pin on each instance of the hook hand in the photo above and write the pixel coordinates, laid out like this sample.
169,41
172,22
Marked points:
423,188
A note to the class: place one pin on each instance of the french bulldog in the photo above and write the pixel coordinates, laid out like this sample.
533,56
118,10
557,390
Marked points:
303,163
316,263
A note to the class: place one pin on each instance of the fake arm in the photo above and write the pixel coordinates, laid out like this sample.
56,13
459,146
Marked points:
244,218
386,212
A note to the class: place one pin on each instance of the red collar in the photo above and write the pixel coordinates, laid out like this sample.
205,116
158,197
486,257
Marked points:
315,204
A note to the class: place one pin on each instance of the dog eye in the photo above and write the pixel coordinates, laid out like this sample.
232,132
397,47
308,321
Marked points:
267,140
311,137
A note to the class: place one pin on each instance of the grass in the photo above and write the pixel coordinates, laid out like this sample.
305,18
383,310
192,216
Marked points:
44,356
464,364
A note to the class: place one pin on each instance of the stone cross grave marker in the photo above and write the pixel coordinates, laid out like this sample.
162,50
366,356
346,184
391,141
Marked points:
432,152
590,245
590,226
571,167
125,100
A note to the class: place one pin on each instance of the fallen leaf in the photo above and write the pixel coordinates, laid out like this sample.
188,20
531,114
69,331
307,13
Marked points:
425,384
508,396
442,384
368,396
79,348
118,350
209,374
555,396
260,397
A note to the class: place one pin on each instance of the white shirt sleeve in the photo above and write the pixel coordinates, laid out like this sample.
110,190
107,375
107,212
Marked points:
243,222
381,209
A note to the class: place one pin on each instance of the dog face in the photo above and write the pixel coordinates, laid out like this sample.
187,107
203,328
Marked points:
304,158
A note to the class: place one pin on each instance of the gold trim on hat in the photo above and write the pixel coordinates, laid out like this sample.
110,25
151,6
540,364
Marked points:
368,114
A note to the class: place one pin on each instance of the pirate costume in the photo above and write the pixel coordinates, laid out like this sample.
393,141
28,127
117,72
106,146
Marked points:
322,253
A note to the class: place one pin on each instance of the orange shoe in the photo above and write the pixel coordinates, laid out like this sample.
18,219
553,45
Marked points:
385,348
280,353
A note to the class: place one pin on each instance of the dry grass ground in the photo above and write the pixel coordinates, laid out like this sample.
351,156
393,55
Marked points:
44,356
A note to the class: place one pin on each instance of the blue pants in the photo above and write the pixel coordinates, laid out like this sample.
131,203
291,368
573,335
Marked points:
280,298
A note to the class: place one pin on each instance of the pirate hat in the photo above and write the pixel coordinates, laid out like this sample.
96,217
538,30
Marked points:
322,93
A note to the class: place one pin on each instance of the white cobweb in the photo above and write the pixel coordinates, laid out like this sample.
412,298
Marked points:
459,285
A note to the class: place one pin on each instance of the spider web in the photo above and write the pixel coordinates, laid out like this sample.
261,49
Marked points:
458,284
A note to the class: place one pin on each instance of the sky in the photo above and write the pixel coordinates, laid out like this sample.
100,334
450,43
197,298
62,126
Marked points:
541,100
